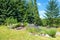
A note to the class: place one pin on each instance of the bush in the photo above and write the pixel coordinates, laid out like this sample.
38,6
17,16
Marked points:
32,29
25,24
15,25
10,20
51,32
42,30
18,25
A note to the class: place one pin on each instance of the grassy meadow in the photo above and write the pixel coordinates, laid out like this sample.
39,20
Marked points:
12,34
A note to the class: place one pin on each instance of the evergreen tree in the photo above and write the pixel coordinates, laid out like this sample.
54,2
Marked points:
37,19
30,16
52,11
21,10
11,8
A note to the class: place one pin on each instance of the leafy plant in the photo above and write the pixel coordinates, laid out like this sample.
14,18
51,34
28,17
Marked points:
10,20
15,25
42,30
25,24
51,32
32,29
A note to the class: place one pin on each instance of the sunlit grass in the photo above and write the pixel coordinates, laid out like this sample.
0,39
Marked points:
12,34
58,29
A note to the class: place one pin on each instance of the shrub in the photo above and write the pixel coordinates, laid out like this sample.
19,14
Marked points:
32,29
42,30
18,25
51,32
15,25
25,24
10,20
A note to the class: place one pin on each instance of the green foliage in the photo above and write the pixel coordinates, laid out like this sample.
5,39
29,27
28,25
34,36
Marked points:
25,24
12,8
32,29
15,25
44,22
42,30
37,19
18,25
10,20
51,32
21,10
52,12
1,21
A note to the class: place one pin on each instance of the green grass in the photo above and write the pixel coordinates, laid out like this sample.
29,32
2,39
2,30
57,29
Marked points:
58,29
10,34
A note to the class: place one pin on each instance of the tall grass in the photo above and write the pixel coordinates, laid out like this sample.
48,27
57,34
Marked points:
9,34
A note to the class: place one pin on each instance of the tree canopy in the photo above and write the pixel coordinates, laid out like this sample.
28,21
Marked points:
21,10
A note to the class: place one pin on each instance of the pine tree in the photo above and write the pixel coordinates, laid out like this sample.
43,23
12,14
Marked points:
37,19
21,10
3,10
30,12
12,8
52,11
29,16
